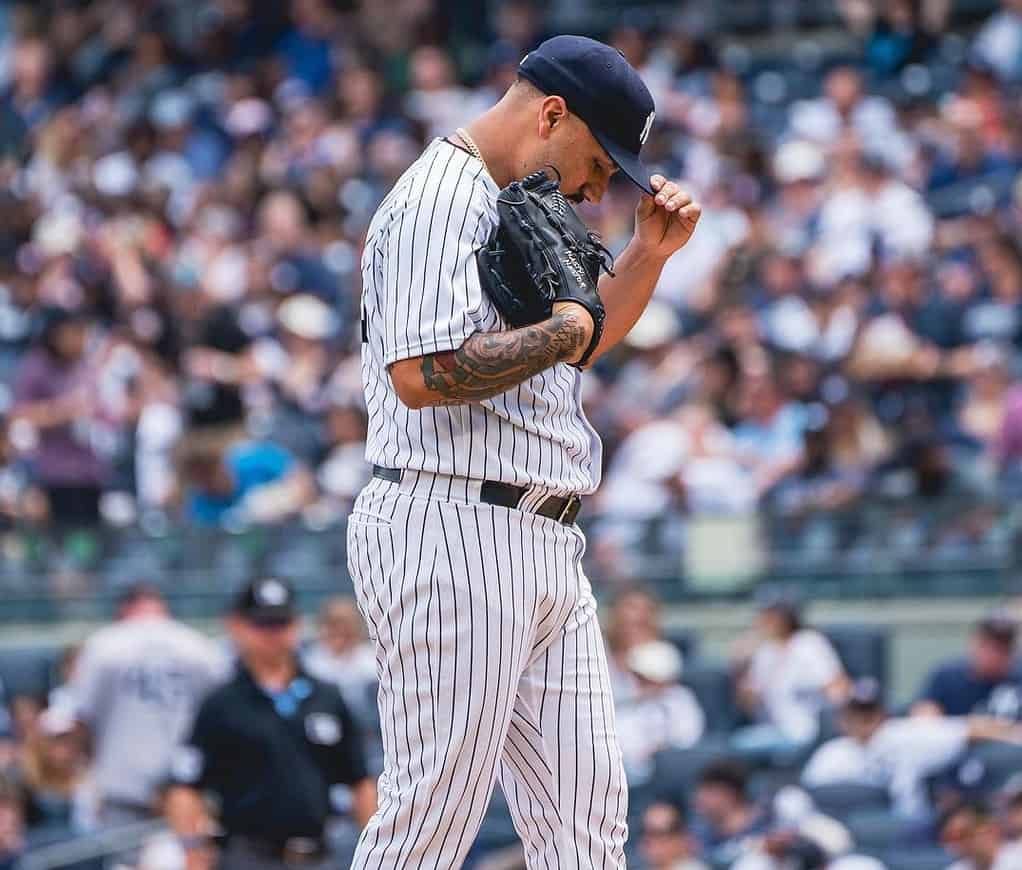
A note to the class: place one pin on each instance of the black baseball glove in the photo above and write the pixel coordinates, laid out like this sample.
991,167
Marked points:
542,253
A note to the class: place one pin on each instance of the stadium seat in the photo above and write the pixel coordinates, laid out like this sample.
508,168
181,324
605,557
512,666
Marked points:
766,783
685,639
918,858
875,829
27,670
990,763
714,689
843,799
863,649
675,771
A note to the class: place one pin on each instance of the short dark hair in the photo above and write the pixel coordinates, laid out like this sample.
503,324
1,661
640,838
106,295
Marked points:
978,810
142,590
729,773
783,600
1000,628
678,817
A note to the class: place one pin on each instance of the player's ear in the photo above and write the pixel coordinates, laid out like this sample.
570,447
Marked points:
553,111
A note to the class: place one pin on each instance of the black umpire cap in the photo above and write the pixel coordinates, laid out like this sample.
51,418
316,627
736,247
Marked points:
603,89
999,627
266,601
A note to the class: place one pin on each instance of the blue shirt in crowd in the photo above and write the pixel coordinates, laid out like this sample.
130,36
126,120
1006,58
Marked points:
250,464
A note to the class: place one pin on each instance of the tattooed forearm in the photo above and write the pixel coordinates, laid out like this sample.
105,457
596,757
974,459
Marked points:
489,363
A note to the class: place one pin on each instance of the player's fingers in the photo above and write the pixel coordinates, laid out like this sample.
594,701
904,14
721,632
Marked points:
690,213
656,182
677,201
666,192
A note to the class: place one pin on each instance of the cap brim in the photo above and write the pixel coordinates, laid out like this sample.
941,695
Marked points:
630,165
269,617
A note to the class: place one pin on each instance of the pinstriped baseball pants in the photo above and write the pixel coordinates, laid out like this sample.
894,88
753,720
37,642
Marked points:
491,666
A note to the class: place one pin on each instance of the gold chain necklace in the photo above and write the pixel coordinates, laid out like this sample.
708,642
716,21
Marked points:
473,149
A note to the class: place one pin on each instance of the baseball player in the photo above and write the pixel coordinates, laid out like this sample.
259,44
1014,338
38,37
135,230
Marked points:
463,548
136,686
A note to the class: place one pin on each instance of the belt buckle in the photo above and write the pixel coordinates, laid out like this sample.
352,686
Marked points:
571,506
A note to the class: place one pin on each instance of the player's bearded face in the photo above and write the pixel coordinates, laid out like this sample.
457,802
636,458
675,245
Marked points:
584,166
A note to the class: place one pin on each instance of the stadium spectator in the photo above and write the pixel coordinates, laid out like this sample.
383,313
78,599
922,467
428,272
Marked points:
843,107
787,679
999,41
191,182
667,844
25,710
896,753
52,772
802,503
980,413
341,470
12,825
632,621
1009,441
973,834
769,438
987,681
21,500
228,479
342,657
275,790
726,820
136,687
1010,807
662,713
54,407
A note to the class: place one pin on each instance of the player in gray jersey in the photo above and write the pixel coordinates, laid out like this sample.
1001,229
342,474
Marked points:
136,686
463,548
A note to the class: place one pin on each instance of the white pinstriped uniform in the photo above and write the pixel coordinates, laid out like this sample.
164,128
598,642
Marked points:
489,653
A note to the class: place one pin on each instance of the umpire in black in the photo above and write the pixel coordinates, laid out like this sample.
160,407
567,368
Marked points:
269,747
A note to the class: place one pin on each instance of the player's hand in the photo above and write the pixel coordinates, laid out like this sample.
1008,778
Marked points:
665,221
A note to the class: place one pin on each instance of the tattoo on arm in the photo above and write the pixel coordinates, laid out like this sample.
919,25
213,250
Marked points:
489,363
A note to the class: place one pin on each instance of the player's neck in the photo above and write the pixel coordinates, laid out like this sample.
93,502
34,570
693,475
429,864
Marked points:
491,136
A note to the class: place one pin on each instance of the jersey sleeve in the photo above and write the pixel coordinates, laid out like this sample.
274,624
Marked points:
426,268
193,762
89,684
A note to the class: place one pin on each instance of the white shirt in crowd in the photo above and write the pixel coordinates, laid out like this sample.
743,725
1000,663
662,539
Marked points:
137,685
354,672
999,43
671,717
899,756
791,677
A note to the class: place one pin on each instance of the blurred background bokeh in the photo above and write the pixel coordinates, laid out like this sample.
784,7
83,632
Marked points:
824,396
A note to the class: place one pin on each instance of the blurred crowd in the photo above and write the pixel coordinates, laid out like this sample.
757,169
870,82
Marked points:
184,191
185,188
787,756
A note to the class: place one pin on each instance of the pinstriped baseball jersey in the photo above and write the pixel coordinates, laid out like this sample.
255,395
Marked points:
421,295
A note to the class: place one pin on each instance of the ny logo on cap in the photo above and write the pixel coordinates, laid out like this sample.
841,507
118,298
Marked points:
644,135
272,593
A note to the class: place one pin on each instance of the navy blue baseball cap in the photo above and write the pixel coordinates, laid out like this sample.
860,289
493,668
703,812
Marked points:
602,88
266,601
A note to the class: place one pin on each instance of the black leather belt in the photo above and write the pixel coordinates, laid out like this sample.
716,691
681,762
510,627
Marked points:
555,507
